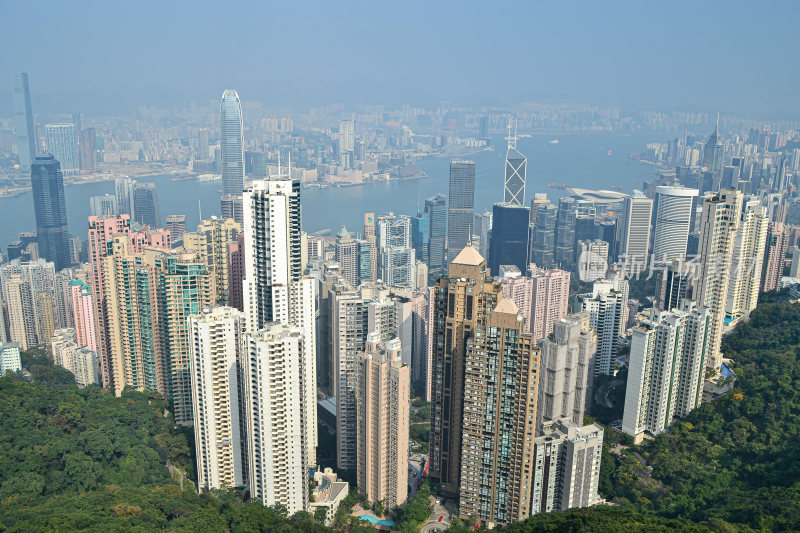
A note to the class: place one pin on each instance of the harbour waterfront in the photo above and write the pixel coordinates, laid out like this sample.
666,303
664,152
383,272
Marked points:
576,160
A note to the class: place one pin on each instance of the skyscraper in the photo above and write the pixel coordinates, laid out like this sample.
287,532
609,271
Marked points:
544,236
132,320
673,218
176,225
461,206
459,305
124,192
183,289
101,206
567,466
62,141
50,209
674,282
88,149
382,392
84,319
516,167
274,289
102,230
236,272
607,306
217,363
564,370
395,254
420,237
347,140
21,312
549,300
510,232
231,205
353,315
277,416
747,261
146,205
347,256
634,241
592,260
565,234
371,237
211,243
501,382
667,368
712,153
483,229
231,143
25,134
774,255
720,220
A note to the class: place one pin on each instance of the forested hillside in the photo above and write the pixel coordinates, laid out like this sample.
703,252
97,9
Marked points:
75,459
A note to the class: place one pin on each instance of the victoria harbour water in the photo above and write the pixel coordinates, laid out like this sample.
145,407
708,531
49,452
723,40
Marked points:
588,161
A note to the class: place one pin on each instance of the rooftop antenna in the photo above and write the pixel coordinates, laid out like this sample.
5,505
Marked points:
279,163
290,163
199,209
509,132
515,133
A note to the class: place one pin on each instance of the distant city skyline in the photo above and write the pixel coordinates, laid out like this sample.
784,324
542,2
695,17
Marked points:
568,55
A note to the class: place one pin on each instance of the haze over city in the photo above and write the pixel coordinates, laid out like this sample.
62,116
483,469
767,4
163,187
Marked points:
111,57
349,267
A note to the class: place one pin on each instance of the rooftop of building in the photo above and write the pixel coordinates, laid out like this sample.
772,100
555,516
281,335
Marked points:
469,256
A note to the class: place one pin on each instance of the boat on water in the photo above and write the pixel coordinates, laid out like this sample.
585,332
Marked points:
554,141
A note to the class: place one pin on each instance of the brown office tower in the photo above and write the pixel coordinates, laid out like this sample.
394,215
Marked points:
459,306
499,425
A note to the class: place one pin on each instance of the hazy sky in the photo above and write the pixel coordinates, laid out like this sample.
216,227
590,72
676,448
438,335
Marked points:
100,56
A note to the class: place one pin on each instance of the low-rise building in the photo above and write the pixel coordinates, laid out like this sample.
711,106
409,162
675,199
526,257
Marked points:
328,494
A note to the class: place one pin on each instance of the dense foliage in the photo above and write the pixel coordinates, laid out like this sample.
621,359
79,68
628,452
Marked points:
75,459
414,513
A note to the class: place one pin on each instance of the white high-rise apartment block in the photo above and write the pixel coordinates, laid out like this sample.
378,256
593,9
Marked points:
566,466
747,261
10,360
592,259
667,368
607,306
635,233
718,225
277,416
274,289
80,360
564,370
673,218
215,352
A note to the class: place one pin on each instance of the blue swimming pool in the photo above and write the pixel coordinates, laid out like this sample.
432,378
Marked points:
726,372
372,519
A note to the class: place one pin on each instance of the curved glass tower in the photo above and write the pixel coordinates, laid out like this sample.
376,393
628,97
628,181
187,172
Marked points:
231,143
